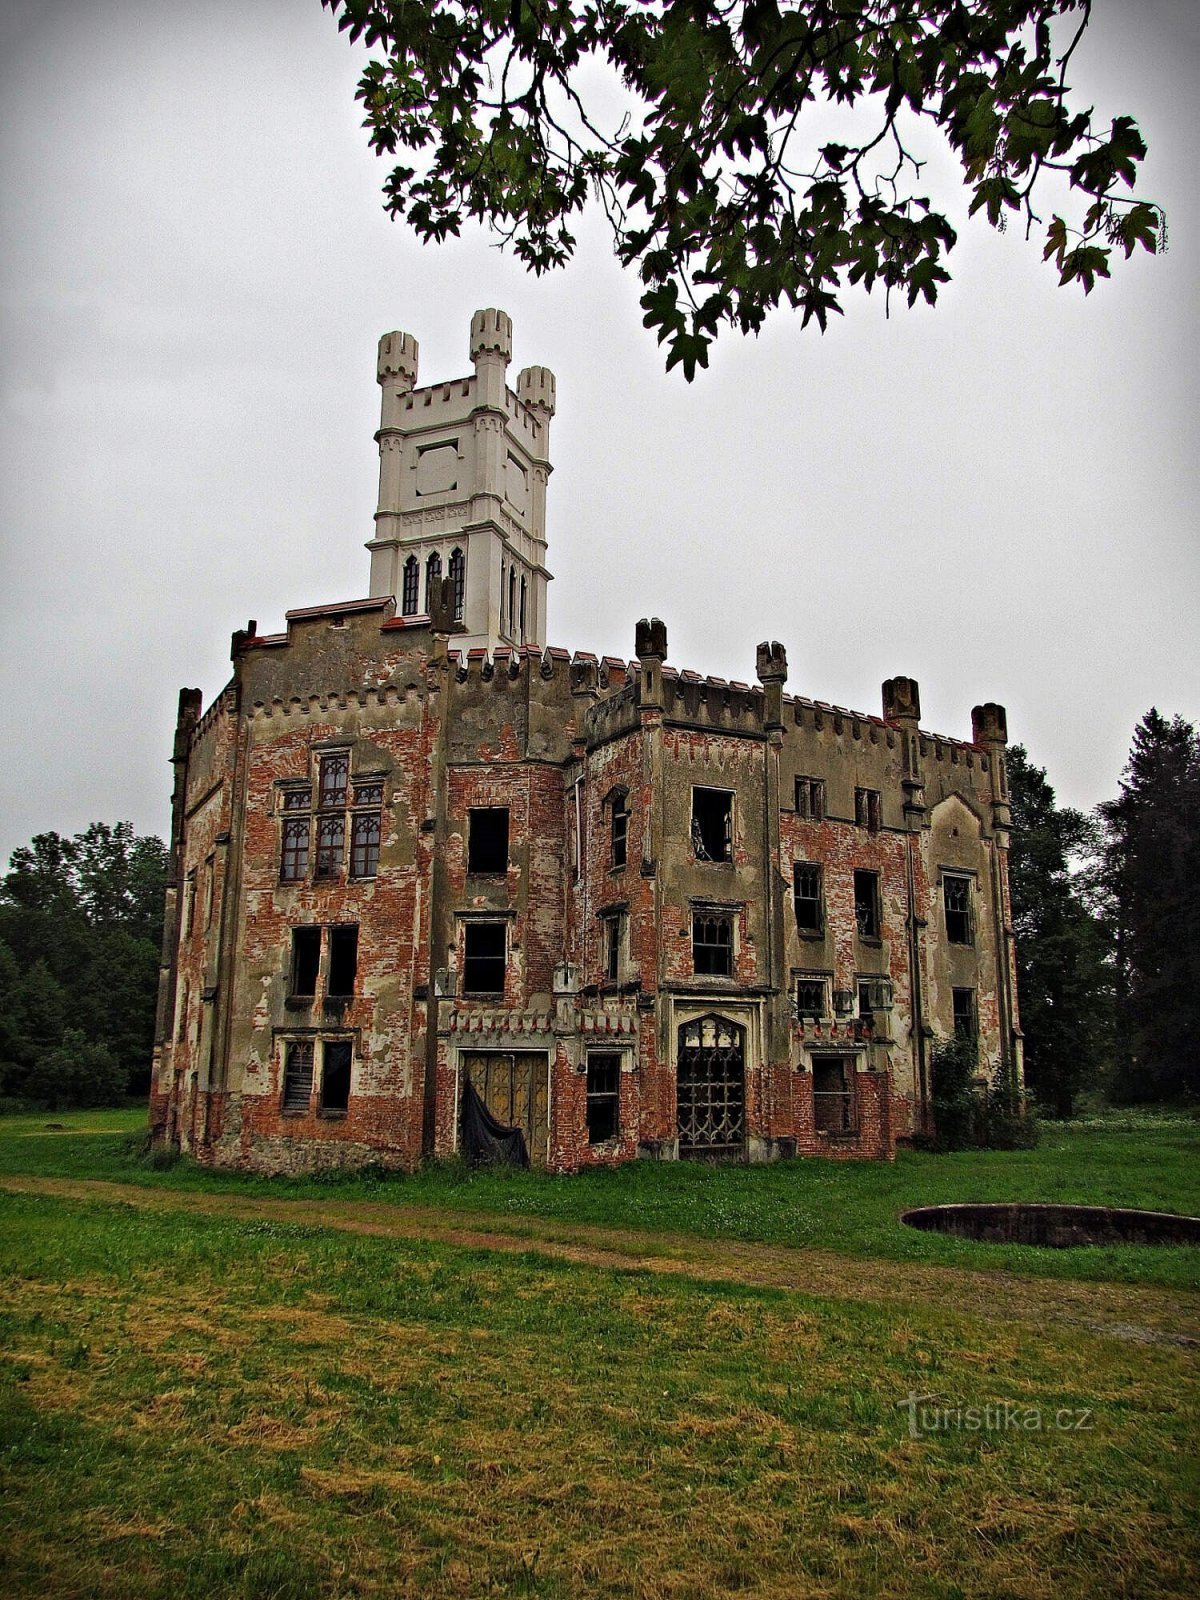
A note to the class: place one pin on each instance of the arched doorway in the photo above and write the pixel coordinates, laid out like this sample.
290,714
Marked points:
711,1089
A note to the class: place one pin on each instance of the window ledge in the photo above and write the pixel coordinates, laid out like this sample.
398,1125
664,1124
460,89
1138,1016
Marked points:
299,1002
811,933
873,939
327,1115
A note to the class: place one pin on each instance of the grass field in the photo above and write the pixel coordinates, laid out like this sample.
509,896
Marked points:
672,1382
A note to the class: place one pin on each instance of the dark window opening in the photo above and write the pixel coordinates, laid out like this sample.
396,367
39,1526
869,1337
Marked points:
966,1018
336,1057
866,998
810,916
833,1095
433,577
810,798
331,845
866,904
522,608
956,893
343,961
458,579
603,1095
190,923
867,812
620,830
810,997
306,961
613,930
712,944
411,585
298,1075
483,958
512,596
487,839
712,824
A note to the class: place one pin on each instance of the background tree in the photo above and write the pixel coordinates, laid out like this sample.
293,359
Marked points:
1063,983
722,185
1152,878
80,931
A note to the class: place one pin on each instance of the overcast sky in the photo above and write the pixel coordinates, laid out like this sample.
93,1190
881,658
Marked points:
997,497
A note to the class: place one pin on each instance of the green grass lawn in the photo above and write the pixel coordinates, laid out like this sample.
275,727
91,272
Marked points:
200,1405
850,1207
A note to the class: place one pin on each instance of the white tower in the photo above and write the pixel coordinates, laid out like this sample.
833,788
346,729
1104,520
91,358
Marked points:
463,468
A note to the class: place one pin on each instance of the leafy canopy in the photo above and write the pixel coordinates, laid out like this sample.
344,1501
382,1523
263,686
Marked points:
722,184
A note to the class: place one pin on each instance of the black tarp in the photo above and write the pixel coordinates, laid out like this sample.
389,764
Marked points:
486,1142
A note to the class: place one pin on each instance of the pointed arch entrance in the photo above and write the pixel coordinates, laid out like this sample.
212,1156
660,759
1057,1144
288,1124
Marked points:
711,1089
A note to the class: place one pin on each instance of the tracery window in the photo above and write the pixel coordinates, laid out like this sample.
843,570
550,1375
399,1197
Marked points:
712,944
409,598
433,577
458,577
343,810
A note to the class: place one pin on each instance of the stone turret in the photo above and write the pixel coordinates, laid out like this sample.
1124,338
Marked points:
463,468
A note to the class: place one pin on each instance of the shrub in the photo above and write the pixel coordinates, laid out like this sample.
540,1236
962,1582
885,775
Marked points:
76,1073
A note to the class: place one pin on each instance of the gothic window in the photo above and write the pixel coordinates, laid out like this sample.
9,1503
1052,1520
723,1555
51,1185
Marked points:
866,904
812,997
503,592
808,897
956,895
297,1074
619,827
810,798
833,1095
336,1058
306,962
334,779
603,1095
484,957
966,1017
487,839
409,592
712,824
867,811
365,822
293,863
712,944
331,844
458,578
433,577
523,592
512,596
613,925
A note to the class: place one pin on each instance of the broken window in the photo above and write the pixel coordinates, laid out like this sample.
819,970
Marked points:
812,997
433,578
336,1058
343,961
603,1095
410,586
966,1017
487,839
365,822
483,958
712,824
619,820
956,895
809,901
866,904
331,845
867,812
614,938
306,962
297,1074
810,798
458,579
712,944
833,1095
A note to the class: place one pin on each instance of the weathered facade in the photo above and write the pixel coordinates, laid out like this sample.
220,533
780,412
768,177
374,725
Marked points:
642,911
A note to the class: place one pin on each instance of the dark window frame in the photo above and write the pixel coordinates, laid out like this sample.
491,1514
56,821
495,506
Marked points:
618,829
960,922
612,924
712,954
868,809
483,853
815,927
343,961
304,966
965,1012
333,1098
458,579
603,1096
410,587
868,909
810,799
835,1104
811,981
297,1086
480,964
712,824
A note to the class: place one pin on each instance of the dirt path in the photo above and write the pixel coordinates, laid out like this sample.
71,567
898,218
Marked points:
1145,1313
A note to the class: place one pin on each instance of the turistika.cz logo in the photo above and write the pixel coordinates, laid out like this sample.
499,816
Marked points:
930,1414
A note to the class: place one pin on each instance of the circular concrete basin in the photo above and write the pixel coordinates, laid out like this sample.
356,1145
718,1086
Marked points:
1058,1227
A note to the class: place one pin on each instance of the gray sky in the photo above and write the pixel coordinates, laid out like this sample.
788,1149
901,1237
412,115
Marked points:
996,497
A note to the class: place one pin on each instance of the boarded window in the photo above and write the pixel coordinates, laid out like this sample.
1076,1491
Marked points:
483,958
810,798
956,894
833,1095
866,904
343,961
297,1075
810,909
712,824
487,839
306,962
603,1095
712,944
336,1059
